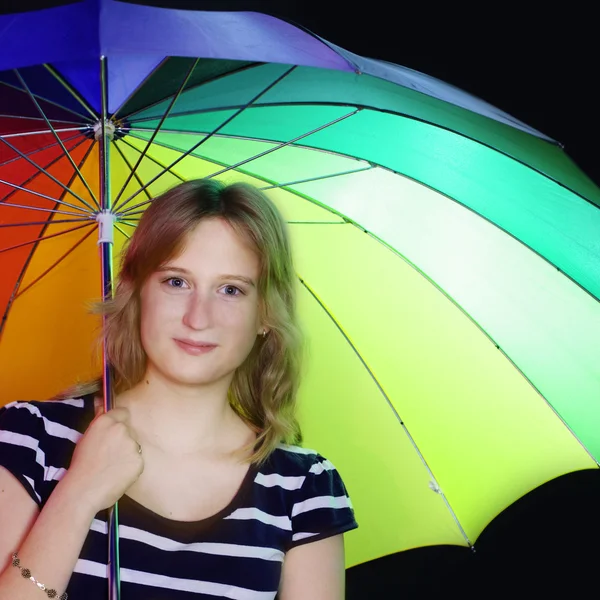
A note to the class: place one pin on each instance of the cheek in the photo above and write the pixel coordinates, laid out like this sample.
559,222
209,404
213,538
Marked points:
155,314
147,330
243,319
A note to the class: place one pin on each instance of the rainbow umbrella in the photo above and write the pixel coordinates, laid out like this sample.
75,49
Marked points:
447,254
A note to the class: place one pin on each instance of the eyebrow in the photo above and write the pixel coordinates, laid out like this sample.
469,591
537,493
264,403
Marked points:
227,276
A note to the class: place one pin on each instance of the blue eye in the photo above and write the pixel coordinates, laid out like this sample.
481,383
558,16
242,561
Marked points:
231,290
175,282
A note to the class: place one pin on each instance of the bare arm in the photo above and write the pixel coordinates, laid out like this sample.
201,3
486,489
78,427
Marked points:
314,570
105,463
49,542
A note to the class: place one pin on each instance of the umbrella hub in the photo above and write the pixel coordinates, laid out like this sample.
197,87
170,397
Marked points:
106,220
115,129
109,127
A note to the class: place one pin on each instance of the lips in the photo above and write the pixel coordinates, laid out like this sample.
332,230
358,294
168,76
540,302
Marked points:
195,348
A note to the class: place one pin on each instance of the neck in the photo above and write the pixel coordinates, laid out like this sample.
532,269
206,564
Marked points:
183,421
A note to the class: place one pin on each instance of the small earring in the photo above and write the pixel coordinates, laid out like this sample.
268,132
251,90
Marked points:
264,333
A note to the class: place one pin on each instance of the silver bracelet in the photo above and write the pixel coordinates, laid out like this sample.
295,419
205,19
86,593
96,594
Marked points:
26,573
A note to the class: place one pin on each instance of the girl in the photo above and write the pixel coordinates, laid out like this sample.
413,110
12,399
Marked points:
215,500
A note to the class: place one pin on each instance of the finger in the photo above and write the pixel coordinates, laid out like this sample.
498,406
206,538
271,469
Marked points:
119,414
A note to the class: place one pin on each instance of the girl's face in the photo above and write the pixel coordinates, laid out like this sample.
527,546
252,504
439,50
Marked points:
200,311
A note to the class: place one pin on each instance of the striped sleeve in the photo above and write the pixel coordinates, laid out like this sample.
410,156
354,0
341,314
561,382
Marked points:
322,507
22,436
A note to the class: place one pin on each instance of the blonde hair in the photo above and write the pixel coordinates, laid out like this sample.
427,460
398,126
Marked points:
263,389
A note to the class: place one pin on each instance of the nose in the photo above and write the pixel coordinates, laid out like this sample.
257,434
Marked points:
198,312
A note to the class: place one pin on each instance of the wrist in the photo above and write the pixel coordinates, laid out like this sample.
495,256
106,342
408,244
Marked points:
69,495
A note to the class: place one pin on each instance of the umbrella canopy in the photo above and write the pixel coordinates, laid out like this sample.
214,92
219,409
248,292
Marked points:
448,255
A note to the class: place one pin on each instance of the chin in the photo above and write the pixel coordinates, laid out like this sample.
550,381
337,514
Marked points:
194,371
193,378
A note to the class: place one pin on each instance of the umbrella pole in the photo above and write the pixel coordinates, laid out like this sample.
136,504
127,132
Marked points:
104,133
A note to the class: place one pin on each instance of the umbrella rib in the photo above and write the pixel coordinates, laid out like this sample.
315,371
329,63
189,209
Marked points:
260,155
39,209
386,111
126,161
155,132
125,234
138,88
30,179
41,170
478,326
131,210
136,212
438,490
193,87
63,148
156,161
317,223
43,148
182,131
376,165
281,185
71,91
144,188
496,225
43,131
284,144
57,262
40,195
217,129
255,139
204,111
53,222
46,237
451,198
24,118
381,166
320,178
26,265
69,110
188,113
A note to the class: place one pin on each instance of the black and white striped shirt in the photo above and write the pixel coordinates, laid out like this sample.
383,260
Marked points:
295,498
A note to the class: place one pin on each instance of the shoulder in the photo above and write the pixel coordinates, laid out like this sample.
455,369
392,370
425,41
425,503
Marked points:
65,419
37,440
308,472
320,505
297,461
